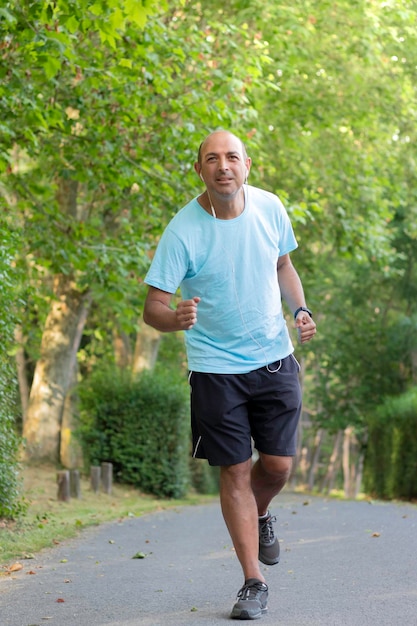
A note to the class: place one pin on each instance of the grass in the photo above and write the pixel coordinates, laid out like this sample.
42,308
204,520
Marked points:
48,522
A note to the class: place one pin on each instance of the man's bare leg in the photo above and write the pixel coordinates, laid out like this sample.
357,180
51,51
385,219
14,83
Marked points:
240,513
246,491
268,477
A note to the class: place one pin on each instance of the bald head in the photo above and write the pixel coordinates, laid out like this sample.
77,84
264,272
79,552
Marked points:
219,134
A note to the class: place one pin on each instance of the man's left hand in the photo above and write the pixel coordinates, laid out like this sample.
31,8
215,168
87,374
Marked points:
305,326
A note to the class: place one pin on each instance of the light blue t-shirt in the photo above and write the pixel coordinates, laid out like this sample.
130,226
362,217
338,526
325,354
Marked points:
232,266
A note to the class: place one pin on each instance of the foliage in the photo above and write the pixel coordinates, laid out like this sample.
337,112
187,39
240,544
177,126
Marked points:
114,106
11,504
205,478
115,98
141,427
391,460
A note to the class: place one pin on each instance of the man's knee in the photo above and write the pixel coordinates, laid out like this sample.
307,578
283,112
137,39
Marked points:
277,466
237,475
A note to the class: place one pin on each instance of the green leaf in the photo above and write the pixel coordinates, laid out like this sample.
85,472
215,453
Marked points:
9,17
126,63
72,24
51,66
139,555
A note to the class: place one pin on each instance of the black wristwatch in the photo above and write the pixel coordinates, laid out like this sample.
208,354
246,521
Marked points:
302,308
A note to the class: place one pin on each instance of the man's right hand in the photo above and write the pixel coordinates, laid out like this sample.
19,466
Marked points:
186,313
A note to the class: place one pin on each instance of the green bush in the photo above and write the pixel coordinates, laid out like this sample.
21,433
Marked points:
391,458
205,478
10,503
141,426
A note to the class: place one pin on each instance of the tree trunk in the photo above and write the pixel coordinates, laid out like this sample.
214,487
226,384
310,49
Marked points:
146,348
303,466
122,349
359,473
21,372
54,371
360,462
297,460
70,451
315,458
329,479
347,435
350,467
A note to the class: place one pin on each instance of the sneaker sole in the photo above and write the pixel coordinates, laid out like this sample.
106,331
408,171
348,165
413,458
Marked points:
243,614
267,561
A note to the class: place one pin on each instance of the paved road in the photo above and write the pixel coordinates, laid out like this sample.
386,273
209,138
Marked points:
343,564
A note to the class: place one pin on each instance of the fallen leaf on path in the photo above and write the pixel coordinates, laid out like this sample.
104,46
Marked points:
376,534
60,600
139,555
16,567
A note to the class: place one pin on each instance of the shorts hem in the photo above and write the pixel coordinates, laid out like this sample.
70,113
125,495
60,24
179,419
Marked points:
275,453
215,463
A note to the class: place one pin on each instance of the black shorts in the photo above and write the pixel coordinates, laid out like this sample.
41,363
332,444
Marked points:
229,410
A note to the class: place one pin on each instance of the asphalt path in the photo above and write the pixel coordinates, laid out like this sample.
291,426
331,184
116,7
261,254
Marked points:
344,563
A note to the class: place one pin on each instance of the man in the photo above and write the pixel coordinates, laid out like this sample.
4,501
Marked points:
228,251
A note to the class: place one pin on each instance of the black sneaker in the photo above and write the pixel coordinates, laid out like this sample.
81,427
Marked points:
268,543
252,600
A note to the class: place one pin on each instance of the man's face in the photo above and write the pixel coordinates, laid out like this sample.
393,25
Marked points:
224,167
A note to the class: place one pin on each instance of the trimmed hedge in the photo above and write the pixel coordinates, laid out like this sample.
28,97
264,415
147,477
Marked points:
11,504
141,426
391,457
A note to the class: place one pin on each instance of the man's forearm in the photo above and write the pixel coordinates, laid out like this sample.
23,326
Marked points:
158,313
291,287
160,316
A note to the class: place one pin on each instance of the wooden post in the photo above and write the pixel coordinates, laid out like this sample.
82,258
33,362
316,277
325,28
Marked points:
107,477
95,478
75,485
63,480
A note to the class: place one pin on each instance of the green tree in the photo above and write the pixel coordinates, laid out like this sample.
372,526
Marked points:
101,116
100,119
337,134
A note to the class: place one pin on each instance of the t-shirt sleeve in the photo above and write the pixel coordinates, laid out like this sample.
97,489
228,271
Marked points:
287,242
169,265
